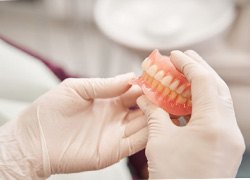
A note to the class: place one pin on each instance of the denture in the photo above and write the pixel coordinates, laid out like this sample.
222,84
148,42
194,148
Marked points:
164,85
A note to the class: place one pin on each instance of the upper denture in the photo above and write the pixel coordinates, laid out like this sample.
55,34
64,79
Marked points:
167,82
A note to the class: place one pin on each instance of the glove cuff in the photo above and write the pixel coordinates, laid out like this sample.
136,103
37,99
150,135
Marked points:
23,151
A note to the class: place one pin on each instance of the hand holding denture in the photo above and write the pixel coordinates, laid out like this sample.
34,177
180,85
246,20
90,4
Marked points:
83,124
211,144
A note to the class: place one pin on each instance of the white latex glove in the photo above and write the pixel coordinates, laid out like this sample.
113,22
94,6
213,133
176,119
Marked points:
211,144
83,124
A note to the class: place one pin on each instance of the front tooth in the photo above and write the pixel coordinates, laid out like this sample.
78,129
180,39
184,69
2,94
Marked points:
152,70
181,89
174,85
167,80
159,75
145,64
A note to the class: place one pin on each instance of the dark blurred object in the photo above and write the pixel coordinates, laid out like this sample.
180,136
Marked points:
58,71
138,165
244,167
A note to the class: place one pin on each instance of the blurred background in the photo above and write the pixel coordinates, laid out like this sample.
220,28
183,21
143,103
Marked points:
45,41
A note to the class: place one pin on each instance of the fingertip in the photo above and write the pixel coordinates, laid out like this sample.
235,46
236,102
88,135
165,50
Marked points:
122,80
141,101
187,65
190,51
130,96
154,114
128,75
179,56
193,54
134,143
175,52
146,105
136,89
178,59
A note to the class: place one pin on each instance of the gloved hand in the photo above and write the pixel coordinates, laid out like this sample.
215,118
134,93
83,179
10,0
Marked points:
211,144
83,124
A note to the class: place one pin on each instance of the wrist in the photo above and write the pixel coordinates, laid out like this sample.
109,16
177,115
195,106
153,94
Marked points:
21,153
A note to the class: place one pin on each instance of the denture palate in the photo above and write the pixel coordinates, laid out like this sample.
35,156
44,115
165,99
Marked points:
164,83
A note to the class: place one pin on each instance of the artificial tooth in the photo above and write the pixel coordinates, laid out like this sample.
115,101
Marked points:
160,87
172,95
145,76
181,100
189,103
150,79
174,85
167,80
155,83
165,92
152,70
145,64
159,75
181,89
187,93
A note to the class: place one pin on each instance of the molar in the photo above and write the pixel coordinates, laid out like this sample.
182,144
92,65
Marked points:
189,103
181,100
187,93
172,95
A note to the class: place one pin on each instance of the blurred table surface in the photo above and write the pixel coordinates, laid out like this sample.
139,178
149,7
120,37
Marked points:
64,31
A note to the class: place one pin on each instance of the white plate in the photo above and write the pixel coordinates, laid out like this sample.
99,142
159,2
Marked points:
162,24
